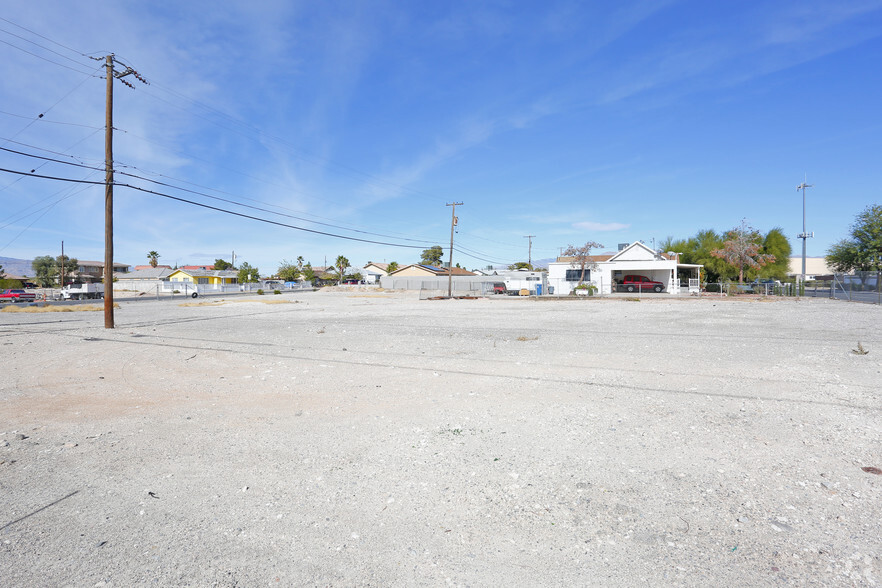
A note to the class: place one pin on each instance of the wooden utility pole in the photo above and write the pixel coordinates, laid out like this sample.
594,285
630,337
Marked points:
530,250
61,269
108,198
450,262
108,183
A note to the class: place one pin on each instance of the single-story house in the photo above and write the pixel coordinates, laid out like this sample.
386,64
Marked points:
203,276
420,270
373,271
603,271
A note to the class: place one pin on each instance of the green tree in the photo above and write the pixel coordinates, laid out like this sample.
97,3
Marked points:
341,264
522,265
153,258
699,250
288,271
393,266
2,273
742,250
300,262
432,255
582,257
308,273
776,243
46,269
248,273
220,265
863,250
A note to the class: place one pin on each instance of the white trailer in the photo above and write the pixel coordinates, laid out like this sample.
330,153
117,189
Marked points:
78,291
518,281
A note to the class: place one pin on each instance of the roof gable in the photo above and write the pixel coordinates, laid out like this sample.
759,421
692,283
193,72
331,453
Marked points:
636,251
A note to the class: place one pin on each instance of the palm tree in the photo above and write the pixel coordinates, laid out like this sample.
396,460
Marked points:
300,263
153,258
393,265
342,263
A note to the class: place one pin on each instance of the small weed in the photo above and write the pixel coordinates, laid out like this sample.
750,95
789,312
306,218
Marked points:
260,291
321,331
277,291
632,299
523,338
860,350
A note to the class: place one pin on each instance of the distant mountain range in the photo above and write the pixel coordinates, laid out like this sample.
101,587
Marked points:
16,267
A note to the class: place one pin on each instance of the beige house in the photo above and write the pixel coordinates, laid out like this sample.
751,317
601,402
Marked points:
419,271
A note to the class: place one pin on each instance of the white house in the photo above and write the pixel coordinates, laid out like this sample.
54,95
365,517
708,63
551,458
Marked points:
373,271
604,270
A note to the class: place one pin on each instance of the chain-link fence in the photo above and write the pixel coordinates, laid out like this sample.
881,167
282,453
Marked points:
857,287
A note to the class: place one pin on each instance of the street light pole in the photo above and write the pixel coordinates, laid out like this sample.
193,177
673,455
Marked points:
804,235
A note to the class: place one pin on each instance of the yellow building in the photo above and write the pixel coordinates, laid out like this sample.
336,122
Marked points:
203,276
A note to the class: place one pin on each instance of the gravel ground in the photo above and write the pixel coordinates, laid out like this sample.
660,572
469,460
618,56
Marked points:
355,438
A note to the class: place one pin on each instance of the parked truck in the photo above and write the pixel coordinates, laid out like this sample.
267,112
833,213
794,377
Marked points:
17,296
78,291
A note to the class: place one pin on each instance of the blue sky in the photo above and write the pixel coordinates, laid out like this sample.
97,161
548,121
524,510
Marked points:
570,121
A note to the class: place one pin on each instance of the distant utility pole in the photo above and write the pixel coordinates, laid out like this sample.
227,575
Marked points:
108,181
453,222
61,269
803,235
530,250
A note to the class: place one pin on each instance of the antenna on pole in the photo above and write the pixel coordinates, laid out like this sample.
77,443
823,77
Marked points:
804,235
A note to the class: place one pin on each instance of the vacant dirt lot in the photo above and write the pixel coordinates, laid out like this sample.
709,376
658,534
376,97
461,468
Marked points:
359,438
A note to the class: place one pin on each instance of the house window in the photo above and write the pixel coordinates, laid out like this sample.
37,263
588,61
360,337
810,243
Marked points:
574,275
202,280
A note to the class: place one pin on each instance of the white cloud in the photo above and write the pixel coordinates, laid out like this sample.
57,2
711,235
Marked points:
593,226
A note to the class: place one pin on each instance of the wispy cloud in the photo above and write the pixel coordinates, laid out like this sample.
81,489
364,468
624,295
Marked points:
600,227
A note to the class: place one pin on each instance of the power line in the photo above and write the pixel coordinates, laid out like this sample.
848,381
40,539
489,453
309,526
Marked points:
53,122
42,37
423,242
40,46
218,209
44,58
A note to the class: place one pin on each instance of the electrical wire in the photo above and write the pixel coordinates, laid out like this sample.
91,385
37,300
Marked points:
40,46
42,37
53,122
422,242
45,58
45,209
218,209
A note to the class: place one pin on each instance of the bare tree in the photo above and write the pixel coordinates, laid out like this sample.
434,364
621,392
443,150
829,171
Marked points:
742,248
582,257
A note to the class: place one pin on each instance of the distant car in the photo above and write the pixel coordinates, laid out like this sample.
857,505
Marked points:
763,285
634,283
29,285
499,287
